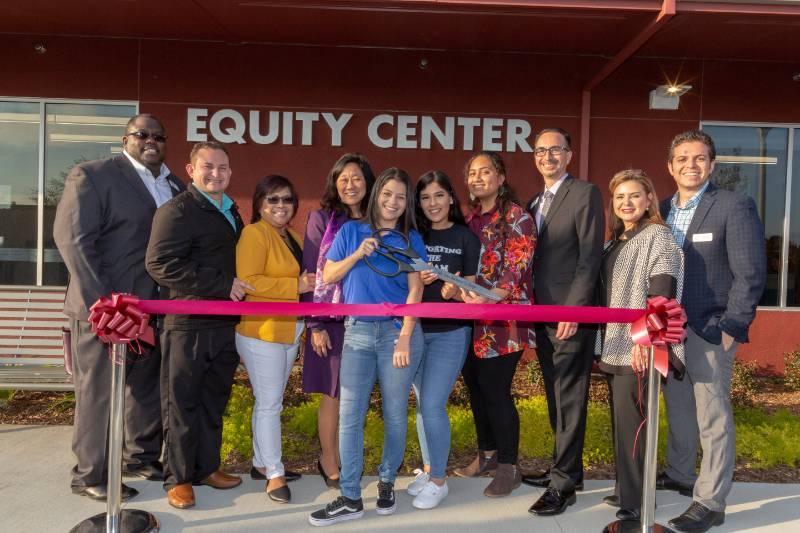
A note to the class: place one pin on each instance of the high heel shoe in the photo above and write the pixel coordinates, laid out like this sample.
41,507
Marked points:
330,482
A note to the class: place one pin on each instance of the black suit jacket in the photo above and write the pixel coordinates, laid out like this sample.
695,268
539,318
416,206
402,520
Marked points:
725,264
192,255
569,249
101,229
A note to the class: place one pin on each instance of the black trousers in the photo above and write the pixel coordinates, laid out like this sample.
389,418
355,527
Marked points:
91,373
493,408
628,409
566,366
196,378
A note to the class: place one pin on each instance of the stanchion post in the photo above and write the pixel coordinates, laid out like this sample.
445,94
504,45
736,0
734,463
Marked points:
648,512
115,519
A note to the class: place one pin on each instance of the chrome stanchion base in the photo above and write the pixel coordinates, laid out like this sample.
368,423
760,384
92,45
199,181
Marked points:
634,526
130,521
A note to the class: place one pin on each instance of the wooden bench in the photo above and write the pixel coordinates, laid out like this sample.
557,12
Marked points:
31,349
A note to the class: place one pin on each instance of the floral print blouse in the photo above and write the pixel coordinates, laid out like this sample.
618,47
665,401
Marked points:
505,264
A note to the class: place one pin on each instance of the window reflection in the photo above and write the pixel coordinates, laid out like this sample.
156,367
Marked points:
19,177
752,160
793,274
75,133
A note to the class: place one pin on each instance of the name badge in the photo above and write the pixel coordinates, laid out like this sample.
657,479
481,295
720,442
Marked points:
702,237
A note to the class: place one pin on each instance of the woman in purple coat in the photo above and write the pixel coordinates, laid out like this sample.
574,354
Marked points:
345,197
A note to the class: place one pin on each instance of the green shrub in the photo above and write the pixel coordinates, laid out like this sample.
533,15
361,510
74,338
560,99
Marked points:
744,385
791,369
237,436
767,440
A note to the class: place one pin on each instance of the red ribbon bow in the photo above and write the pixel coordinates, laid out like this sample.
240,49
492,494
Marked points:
118,320
662,325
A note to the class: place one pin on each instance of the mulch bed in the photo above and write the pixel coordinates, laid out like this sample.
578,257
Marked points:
56,408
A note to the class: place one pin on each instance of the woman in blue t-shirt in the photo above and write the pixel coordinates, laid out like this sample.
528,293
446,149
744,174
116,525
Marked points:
454,248
385,348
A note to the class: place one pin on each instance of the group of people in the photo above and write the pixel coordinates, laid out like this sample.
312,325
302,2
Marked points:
703,246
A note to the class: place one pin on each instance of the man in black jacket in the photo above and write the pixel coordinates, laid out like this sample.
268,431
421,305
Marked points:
101,229
192,254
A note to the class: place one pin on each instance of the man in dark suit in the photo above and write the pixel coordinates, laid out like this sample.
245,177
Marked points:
566,264
192,255
101,228
725,271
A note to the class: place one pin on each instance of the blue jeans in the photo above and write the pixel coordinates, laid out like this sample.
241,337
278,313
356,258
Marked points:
367,355
441,363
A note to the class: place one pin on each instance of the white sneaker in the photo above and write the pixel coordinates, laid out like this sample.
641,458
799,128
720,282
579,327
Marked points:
431,495
419,482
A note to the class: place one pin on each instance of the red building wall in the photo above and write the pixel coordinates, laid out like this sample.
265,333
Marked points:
168,77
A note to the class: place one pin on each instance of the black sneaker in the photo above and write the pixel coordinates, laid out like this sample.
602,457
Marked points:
338,510
386,503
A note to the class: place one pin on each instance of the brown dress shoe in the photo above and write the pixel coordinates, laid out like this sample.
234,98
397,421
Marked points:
221,480
481,466
506,479
181,496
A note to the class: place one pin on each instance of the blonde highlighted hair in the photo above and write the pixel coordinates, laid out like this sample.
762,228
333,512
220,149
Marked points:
652,215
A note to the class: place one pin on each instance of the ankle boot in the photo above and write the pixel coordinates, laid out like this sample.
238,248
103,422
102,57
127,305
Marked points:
506,479
481,466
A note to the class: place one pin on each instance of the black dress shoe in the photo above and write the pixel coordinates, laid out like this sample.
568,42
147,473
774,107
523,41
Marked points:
664,482
542,480
153,471
552,502
100,493
280,495
612,500
288,474
698,517
634,515
329,482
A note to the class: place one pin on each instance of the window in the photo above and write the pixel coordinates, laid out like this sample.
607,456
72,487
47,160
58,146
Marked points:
761,161
40,141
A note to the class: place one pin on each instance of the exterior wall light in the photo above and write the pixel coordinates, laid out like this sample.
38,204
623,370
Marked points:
667,96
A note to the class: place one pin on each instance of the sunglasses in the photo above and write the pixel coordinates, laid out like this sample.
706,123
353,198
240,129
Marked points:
144,135
275,200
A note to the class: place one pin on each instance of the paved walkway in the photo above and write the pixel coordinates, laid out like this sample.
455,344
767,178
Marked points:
35,497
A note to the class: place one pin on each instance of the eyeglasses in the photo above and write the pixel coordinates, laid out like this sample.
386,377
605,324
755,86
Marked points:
275,200
144,135
553,150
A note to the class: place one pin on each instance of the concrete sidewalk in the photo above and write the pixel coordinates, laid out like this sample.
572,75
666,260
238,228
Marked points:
35,497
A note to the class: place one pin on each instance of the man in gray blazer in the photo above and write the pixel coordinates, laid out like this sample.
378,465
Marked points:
566,264
725,271
101,228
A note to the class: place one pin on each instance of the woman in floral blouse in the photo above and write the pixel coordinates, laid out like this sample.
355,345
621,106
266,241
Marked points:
508,238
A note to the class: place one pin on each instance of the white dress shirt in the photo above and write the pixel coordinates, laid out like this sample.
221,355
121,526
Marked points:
160,188
554,190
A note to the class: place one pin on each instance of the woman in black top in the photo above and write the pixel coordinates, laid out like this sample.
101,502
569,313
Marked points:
453,247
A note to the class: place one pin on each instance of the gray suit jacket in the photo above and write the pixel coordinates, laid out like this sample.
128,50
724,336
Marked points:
725,264
569,249
101,229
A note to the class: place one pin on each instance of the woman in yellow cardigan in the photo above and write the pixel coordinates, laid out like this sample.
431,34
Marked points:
268,257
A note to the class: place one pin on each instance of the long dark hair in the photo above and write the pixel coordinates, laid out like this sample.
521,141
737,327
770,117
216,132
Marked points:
407,219
330,196
269,184
454,214
505,195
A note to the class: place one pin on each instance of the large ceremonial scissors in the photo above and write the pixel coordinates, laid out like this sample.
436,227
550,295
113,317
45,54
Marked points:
403,258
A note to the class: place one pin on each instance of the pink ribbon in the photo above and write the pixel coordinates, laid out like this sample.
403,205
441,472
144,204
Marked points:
663,324
123,318
119,320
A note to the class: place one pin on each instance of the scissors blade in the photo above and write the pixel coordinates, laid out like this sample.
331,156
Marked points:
458,281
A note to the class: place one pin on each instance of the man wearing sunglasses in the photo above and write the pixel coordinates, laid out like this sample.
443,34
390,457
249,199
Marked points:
101,228
569,217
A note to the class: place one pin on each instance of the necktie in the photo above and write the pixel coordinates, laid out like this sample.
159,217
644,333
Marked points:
547,199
